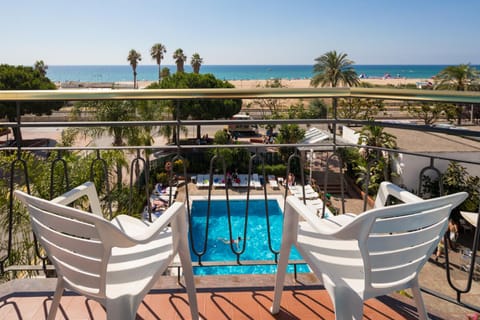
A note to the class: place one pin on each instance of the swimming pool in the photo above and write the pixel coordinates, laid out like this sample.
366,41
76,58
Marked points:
218,246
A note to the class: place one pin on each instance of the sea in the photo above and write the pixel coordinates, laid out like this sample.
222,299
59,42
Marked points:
121,73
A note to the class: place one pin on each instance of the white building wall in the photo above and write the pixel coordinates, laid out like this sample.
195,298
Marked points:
350,135
408,167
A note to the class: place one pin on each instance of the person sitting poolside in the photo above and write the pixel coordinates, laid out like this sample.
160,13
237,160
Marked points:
159,205
290,180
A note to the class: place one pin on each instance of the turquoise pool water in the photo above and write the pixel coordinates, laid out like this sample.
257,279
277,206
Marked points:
218,246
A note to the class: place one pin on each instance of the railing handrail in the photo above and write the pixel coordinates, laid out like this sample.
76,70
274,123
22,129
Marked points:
234,93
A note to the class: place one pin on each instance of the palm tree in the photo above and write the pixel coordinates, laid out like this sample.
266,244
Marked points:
456,77
196,62
114,110
134,57
157,52
41,67
180,59
332,69
374,136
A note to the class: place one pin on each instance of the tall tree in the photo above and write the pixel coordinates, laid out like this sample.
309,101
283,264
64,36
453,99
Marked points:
458,78
334,69
196,62
289,133
375,136
180,59
24,78
134,57
207,109
41,67
157,52
111,110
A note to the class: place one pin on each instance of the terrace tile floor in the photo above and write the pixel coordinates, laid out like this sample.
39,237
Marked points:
244,303
219,297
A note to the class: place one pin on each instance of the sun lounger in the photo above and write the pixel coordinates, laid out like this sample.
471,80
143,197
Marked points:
316,206
312,195
241,181
255,182
203,181
163,190
272,181
218,181
297,191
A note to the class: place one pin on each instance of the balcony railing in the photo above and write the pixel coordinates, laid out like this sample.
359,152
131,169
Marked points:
17,170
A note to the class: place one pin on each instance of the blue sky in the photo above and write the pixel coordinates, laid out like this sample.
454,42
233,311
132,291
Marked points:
240,31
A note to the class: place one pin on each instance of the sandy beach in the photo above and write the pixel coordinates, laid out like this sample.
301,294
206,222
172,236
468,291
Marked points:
298,83
305,83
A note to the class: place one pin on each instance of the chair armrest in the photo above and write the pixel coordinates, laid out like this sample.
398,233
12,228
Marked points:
322,226
134,231
389,189
86,189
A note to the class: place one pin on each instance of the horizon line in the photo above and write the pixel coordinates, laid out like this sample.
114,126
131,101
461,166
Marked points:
293,64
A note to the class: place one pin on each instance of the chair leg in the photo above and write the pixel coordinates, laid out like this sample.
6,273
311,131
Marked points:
121,308
186,261
56,299
280,277
346,303
417,295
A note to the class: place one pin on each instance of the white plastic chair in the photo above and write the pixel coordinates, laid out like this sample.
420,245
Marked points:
113,262
359,257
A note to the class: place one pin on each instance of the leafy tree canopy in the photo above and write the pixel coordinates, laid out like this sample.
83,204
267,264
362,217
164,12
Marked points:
201,109
25,78
356,108
429,113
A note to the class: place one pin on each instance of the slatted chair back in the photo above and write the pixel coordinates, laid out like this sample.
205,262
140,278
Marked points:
396,241
71,238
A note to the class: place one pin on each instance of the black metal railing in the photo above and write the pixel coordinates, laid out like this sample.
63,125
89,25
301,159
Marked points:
17,168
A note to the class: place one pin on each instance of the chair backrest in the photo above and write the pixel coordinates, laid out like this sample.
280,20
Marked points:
73,243
396,241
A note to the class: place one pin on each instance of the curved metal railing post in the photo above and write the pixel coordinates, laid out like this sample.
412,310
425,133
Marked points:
201,253
422,177
59,159
105,179
325,181
134,168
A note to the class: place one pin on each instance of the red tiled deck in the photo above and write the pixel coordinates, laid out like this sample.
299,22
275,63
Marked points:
251,304
218,298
